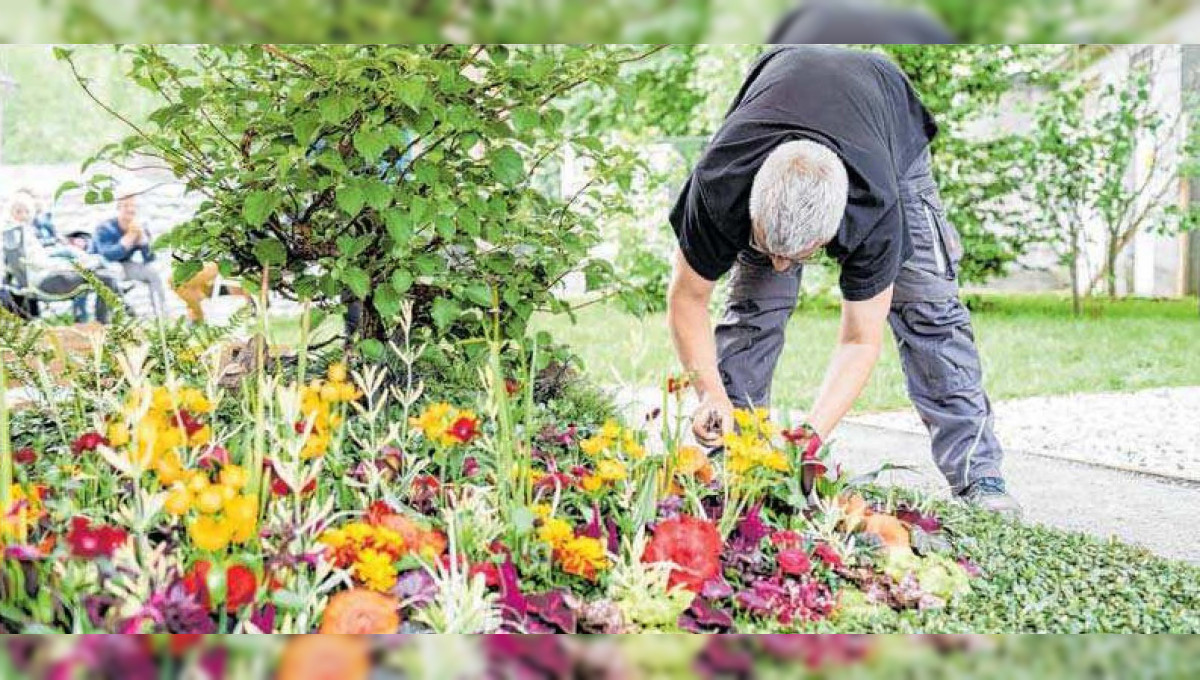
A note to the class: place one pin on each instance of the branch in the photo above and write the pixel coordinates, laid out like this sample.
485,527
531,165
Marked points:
278,53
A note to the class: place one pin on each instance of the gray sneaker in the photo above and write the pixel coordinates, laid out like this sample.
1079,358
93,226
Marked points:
989,493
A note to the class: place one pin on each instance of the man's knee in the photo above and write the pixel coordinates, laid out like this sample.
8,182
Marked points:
937,349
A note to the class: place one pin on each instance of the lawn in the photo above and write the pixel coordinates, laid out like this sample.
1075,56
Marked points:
1030,344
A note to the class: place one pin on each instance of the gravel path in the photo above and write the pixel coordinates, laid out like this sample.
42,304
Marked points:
1156,430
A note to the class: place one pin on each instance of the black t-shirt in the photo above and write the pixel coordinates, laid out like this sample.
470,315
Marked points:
841,22
858,104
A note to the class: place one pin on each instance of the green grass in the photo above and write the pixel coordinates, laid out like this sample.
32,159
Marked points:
1030,345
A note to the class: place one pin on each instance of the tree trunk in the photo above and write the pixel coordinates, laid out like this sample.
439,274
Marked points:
1076,303
1111,264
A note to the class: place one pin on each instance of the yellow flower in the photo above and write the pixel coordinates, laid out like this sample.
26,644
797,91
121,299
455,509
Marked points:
118,435
209,533
234,476
210,500
541,510
200,437
179,500
242,514
169,469
610,430
347,392
583,556
336,372
610,470
334,538
375,570
591,483
594,446
197,482
329,392
556,532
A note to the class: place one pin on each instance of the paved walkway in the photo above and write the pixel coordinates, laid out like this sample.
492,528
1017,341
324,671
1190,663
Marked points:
1153,512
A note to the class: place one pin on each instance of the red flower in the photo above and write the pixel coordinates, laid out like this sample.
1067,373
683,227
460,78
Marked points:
793,562
195,583
90,542
25,456
786,540
280,487
377,511
464,429
512,386
678,384
213,456
490,571
190,424
692,545
240,586
88,441
828,555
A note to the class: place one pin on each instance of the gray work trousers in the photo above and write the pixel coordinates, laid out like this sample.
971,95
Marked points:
931,326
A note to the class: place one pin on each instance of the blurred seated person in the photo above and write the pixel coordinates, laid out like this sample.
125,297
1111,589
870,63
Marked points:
124,241
43,222
50,270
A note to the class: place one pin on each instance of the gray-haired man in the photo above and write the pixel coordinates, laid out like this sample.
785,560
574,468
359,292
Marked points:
828,147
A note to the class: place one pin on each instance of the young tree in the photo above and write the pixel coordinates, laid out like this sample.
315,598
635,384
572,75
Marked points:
382,172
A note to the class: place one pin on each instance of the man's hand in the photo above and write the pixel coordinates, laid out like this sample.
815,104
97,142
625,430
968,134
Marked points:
713,419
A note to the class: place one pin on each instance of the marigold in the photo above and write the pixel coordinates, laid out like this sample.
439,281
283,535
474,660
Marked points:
242,514
179,500
611,470
210,500
375,570
556,532
583,556
591,483
359,612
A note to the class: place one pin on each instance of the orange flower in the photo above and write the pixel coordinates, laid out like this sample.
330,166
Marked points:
854,511
691,461
360,612
891,530
325,657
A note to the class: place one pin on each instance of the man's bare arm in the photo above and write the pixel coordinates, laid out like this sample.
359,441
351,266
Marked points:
859,341
692,333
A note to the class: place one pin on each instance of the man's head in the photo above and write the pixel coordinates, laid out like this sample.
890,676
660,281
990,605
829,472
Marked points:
20,208
126,211
797,202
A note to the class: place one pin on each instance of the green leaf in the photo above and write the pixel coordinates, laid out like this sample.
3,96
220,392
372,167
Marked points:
350,199
258,206
480,293
270,251
525,119
444,311
336,108
399,225
412,92
387,301
371,349
377,193
402,281
371,143
507,165
185,270
358,281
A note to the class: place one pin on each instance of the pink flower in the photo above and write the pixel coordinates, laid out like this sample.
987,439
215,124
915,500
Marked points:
88,441
89,542
793,562
25,456
828,555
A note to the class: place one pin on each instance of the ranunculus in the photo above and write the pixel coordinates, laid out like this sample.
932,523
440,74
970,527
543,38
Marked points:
89,542
88,441
693,545
359,612
793,562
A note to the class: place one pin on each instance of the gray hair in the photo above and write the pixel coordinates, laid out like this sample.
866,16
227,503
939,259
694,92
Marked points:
798,197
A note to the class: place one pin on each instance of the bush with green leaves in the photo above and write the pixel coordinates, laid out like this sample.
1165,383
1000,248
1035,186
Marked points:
385,173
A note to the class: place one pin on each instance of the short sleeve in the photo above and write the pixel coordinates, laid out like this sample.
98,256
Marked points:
874,264
706,247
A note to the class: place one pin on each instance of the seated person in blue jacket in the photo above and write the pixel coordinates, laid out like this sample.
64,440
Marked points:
51,269
124,241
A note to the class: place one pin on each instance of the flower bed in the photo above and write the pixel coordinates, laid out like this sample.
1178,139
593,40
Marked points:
342,505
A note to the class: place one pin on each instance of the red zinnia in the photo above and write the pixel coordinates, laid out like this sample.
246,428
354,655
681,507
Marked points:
88,441
793,562
693,545
25,456
464,429
90,542
240,586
